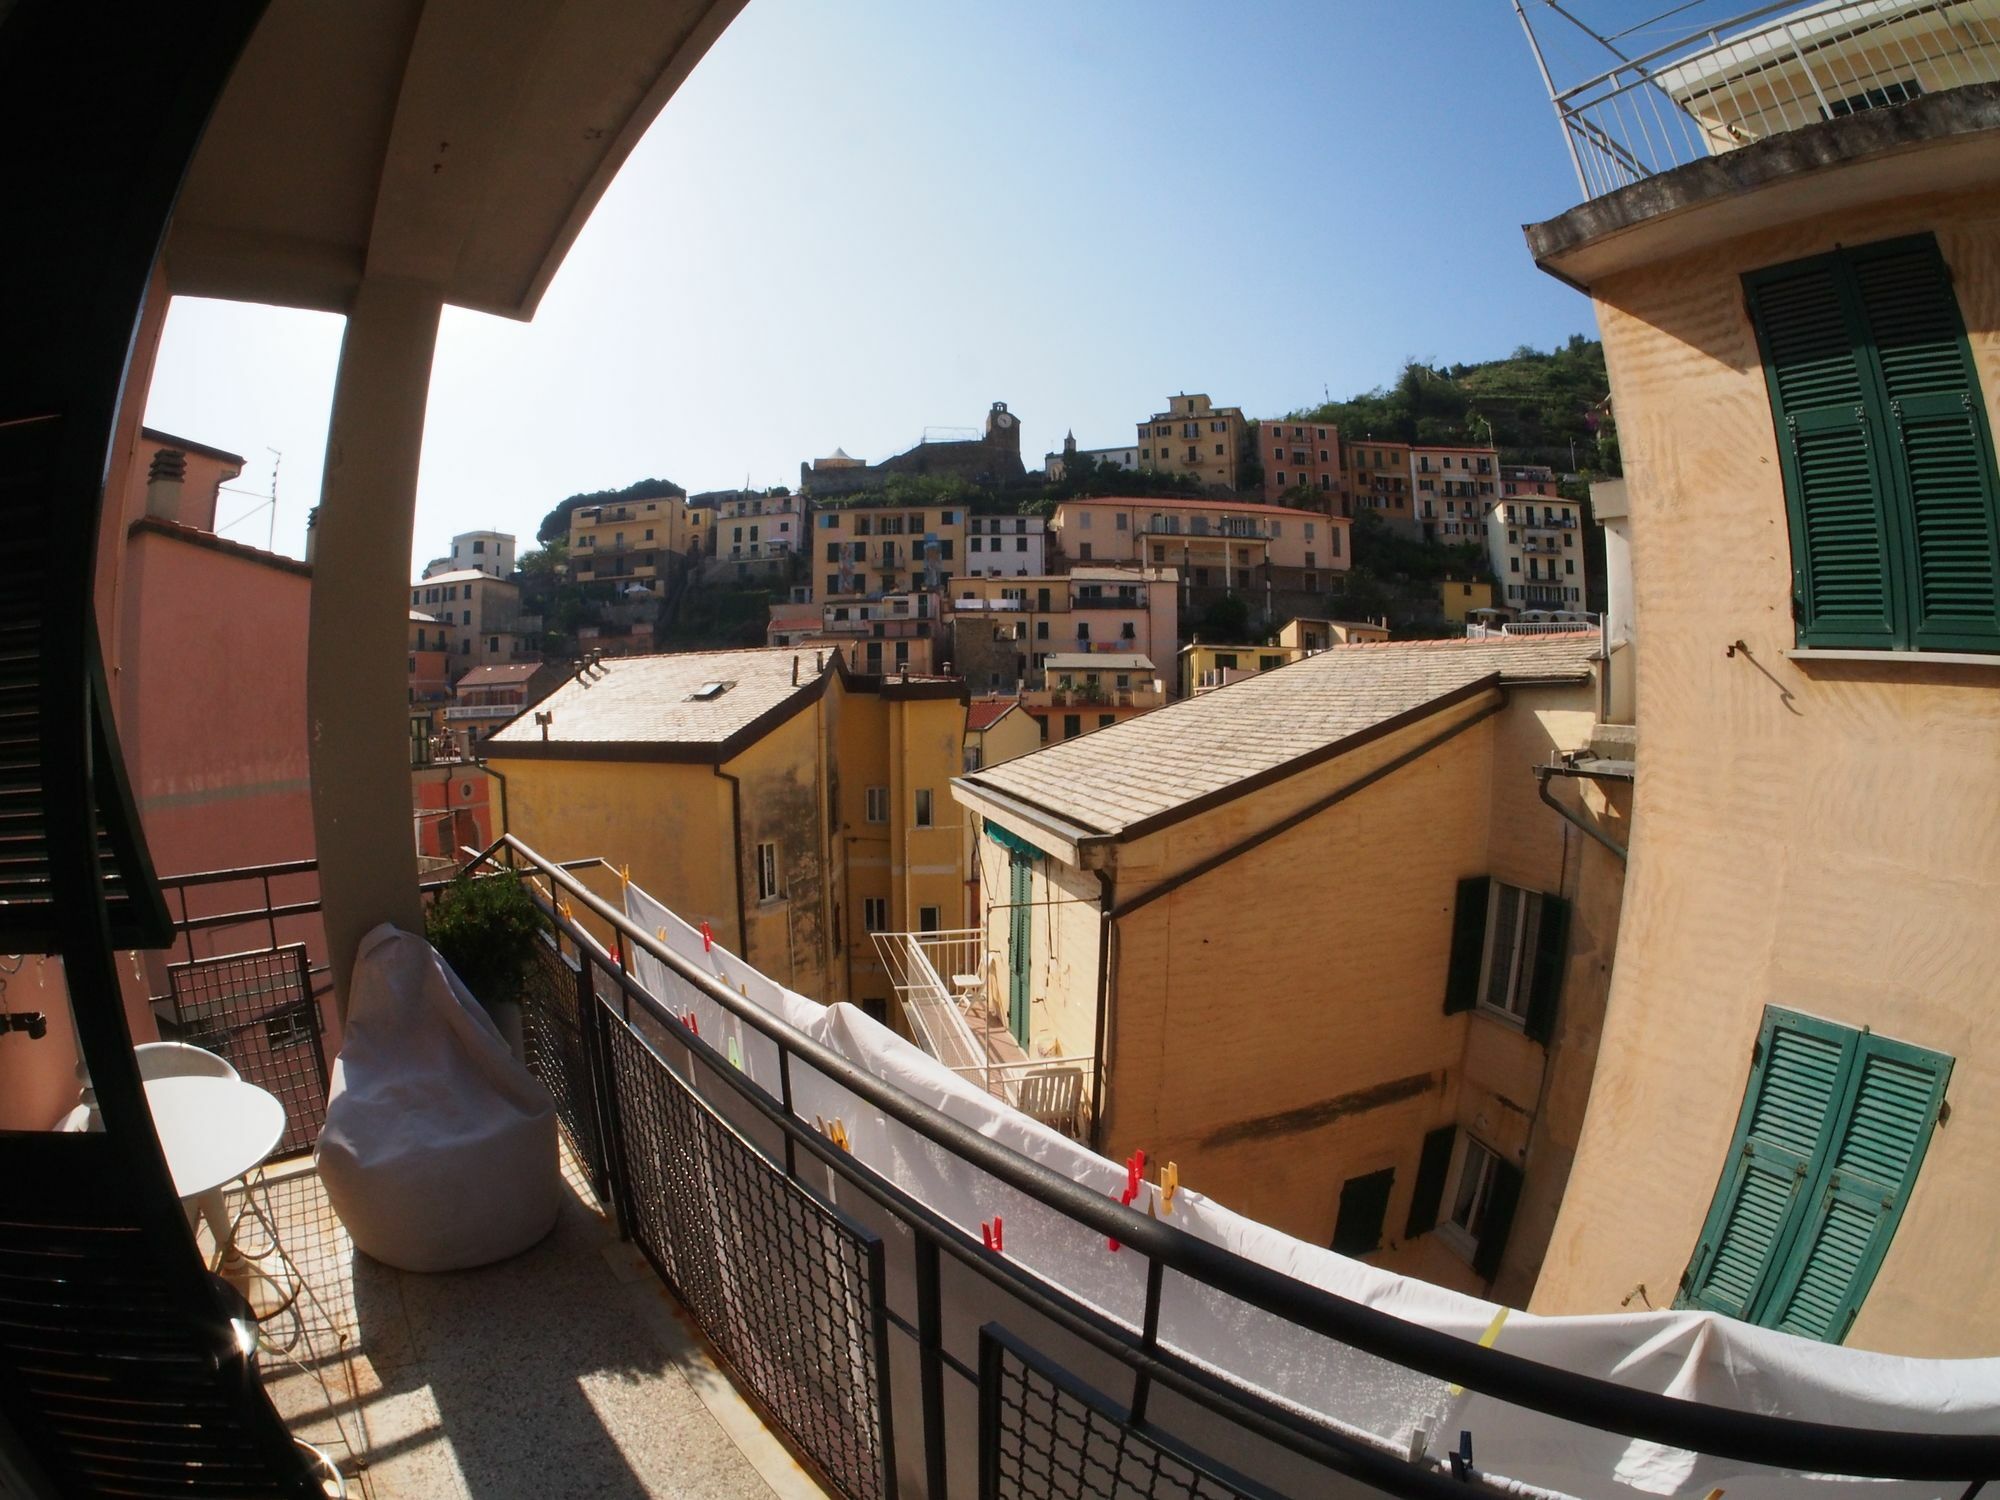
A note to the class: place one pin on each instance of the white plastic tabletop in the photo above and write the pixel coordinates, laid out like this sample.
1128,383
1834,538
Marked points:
213,1130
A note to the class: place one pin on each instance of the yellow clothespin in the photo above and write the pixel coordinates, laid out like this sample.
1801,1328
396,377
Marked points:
839,1136
744,989
1170,1183
624,875
660,933
563,910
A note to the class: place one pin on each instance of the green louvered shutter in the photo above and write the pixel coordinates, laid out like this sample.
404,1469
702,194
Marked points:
1831,446
1786,1122
1940,446
1892,1104
1468,944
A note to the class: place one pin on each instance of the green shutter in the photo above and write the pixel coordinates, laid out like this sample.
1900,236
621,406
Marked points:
1787,1117
1428,1191
1940,445
1468,944
1892,1105
1830,447
1020,940
1546,977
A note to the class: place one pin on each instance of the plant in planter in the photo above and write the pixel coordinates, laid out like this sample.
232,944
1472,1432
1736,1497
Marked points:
486,929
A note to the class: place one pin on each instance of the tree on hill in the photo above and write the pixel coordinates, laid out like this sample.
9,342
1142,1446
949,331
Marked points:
556,522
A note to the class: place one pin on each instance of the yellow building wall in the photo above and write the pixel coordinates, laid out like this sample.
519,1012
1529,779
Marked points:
1457,597
645,815
1066,930
930,864
1817,836
861,737
1014,735
783,779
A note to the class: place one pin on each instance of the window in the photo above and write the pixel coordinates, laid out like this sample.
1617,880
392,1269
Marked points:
874,913
1105,721
1885,451
1128,631
1832,1132
767,872
1281,479
1083,630
1083,551
1123,519
649,533
973,753
1364,1201
1507,952
923,807
1218,450
1072,726
928,919
1041,630
1472,1194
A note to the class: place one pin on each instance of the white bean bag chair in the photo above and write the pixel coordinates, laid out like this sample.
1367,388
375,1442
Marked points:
439,1149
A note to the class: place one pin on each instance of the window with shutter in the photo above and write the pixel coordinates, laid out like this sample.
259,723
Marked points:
1887,457
1833,1128
1364,1201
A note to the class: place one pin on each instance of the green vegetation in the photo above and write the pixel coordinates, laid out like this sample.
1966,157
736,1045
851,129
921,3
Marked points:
485,928
710,619
556,522
1551,408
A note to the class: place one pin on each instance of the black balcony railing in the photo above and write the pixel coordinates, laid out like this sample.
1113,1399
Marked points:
899,1354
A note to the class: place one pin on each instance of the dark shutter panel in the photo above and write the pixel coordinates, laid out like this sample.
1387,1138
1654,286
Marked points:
1940,445
1468,944
1545,983
1498,1219
1830,444
1428,1191
1781,1134
1364,1203
1894,1094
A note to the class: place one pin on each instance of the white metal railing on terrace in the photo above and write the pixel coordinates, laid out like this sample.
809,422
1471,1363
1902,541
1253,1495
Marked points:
1754,74
1576,624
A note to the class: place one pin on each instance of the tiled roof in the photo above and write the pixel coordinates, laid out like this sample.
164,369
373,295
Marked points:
499,674
984,713
635,704
1147,767
458,575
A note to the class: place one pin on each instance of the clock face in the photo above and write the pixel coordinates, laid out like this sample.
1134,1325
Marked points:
1005,419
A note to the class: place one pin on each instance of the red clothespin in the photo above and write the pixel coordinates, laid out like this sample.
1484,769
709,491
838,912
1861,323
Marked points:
1135,1167
707,938
990,1236
689,1021
617,953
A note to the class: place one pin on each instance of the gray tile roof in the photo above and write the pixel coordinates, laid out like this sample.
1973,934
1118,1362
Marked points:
647,700
1150,766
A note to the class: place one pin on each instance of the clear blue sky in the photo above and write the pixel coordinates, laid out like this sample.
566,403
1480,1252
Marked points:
857,220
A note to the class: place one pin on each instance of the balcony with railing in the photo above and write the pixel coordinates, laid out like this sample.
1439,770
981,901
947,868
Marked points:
1731,79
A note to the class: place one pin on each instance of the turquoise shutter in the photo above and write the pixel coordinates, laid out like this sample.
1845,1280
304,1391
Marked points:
1893,1100
1830,447
1787,1118
1468,944
1939,446
1020,940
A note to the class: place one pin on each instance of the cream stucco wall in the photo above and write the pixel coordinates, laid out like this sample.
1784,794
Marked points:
1820,836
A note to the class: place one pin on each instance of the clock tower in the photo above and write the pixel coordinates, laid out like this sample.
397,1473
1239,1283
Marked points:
1003,431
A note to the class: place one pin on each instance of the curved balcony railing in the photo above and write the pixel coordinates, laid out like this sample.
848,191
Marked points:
902,1355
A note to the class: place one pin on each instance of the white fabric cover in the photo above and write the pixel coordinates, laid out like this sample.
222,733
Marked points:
1699,1356
439,1149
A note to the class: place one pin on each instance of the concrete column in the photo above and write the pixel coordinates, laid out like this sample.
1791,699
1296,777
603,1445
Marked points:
356,656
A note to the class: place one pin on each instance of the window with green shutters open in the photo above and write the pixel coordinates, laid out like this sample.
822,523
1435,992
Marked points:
1885,448
1833,1128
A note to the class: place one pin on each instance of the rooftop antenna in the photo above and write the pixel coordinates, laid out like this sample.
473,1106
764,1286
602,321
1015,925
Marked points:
271,530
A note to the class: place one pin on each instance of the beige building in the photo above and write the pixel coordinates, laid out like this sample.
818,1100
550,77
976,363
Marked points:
1452,487
1005,630
1230,545
1195,436
477,617
1399,1071
1378,480
1792,1120
754,535
630,542
1535,546
1082,693
884,549
819,801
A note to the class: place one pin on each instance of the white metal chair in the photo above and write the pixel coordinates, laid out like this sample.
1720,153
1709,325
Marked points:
180,1060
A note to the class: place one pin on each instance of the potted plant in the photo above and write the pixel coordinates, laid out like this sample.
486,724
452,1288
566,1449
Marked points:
486,927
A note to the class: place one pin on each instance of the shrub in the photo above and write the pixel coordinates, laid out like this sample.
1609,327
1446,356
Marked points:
486,929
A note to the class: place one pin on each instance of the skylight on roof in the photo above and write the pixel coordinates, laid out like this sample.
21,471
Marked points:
708,692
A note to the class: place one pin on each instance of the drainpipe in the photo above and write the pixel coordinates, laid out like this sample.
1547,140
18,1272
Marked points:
1107,899
736,862
1542,775
487,767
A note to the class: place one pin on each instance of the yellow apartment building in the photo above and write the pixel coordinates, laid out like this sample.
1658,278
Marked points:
1804,351
1458,597
884,549
998,730
1317,635
1206,666
1081,693
793,807
628,542
1396,1063
1195,436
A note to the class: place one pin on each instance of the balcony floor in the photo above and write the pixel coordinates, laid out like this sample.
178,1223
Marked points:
568,1370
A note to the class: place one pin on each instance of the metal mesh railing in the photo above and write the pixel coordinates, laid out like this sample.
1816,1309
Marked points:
558,1051
788,1289
1044,1435
1754,74
257,1010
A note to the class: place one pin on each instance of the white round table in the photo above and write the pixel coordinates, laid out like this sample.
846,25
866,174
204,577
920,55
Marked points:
212,1131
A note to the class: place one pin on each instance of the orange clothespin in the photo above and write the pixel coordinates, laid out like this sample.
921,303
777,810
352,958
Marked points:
1170,1183
660,933
836,1132
624,876
990,1235
563,910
